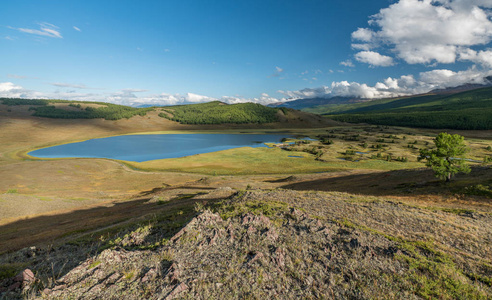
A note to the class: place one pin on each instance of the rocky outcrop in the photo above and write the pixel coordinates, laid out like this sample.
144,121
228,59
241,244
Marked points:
248,255
255,245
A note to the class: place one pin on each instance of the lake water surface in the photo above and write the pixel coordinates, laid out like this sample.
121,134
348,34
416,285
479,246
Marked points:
156,146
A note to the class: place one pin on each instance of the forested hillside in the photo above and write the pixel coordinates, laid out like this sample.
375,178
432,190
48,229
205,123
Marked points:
46,108
465,110
217,112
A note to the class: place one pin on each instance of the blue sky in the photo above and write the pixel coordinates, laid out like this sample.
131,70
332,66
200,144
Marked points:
168,52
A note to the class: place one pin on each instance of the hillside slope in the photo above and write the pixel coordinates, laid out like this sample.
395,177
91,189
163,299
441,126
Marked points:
270,244
463,110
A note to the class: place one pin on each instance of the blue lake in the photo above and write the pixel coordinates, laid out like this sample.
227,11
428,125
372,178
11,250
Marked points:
156,146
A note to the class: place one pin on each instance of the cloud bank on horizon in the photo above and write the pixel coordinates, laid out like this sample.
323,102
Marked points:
431,33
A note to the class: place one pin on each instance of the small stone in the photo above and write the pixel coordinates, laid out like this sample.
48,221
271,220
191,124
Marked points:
251,229
151,274
60,287
26,277
113,278
280,258
257,256
272,234
177,289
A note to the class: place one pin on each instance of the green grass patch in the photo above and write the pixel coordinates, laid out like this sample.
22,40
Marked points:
479,190
249,161
9,270
94,264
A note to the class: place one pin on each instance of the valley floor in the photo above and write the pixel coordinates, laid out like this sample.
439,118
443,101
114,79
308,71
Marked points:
363,228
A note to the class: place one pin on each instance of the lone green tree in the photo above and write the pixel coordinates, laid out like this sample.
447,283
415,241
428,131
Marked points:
448,158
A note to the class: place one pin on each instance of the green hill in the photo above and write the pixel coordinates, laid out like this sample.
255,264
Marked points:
65,109
214,112
217,112
465,110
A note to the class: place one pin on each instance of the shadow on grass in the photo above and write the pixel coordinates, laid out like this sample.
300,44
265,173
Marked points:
65,240
45,229
393,183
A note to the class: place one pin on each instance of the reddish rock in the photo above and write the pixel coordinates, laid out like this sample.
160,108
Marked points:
272,234
151,274
178,234
251,230
177,289
113,278
280,258
257,256
25,277
173,273
60,287
47,291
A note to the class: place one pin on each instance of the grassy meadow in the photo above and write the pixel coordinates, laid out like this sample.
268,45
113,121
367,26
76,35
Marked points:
352,189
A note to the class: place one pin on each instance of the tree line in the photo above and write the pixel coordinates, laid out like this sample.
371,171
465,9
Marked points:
468,119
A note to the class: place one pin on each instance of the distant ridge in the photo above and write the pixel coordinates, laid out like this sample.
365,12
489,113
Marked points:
310,104
468,110
464,87
313,102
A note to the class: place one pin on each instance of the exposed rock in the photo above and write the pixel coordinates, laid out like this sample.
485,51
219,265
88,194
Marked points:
175,292
25,277
151,274
294,254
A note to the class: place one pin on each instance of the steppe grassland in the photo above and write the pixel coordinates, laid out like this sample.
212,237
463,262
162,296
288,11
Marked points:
60,184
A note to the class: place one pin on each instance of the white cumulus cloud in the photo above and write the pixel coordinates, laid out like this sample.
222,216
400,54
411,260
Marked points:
482,57
347,63
11,90
429,31
363,34
374,59
394,87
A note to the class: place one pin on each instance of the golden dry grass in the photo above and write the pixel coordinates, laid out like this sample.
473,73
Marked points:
34,188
